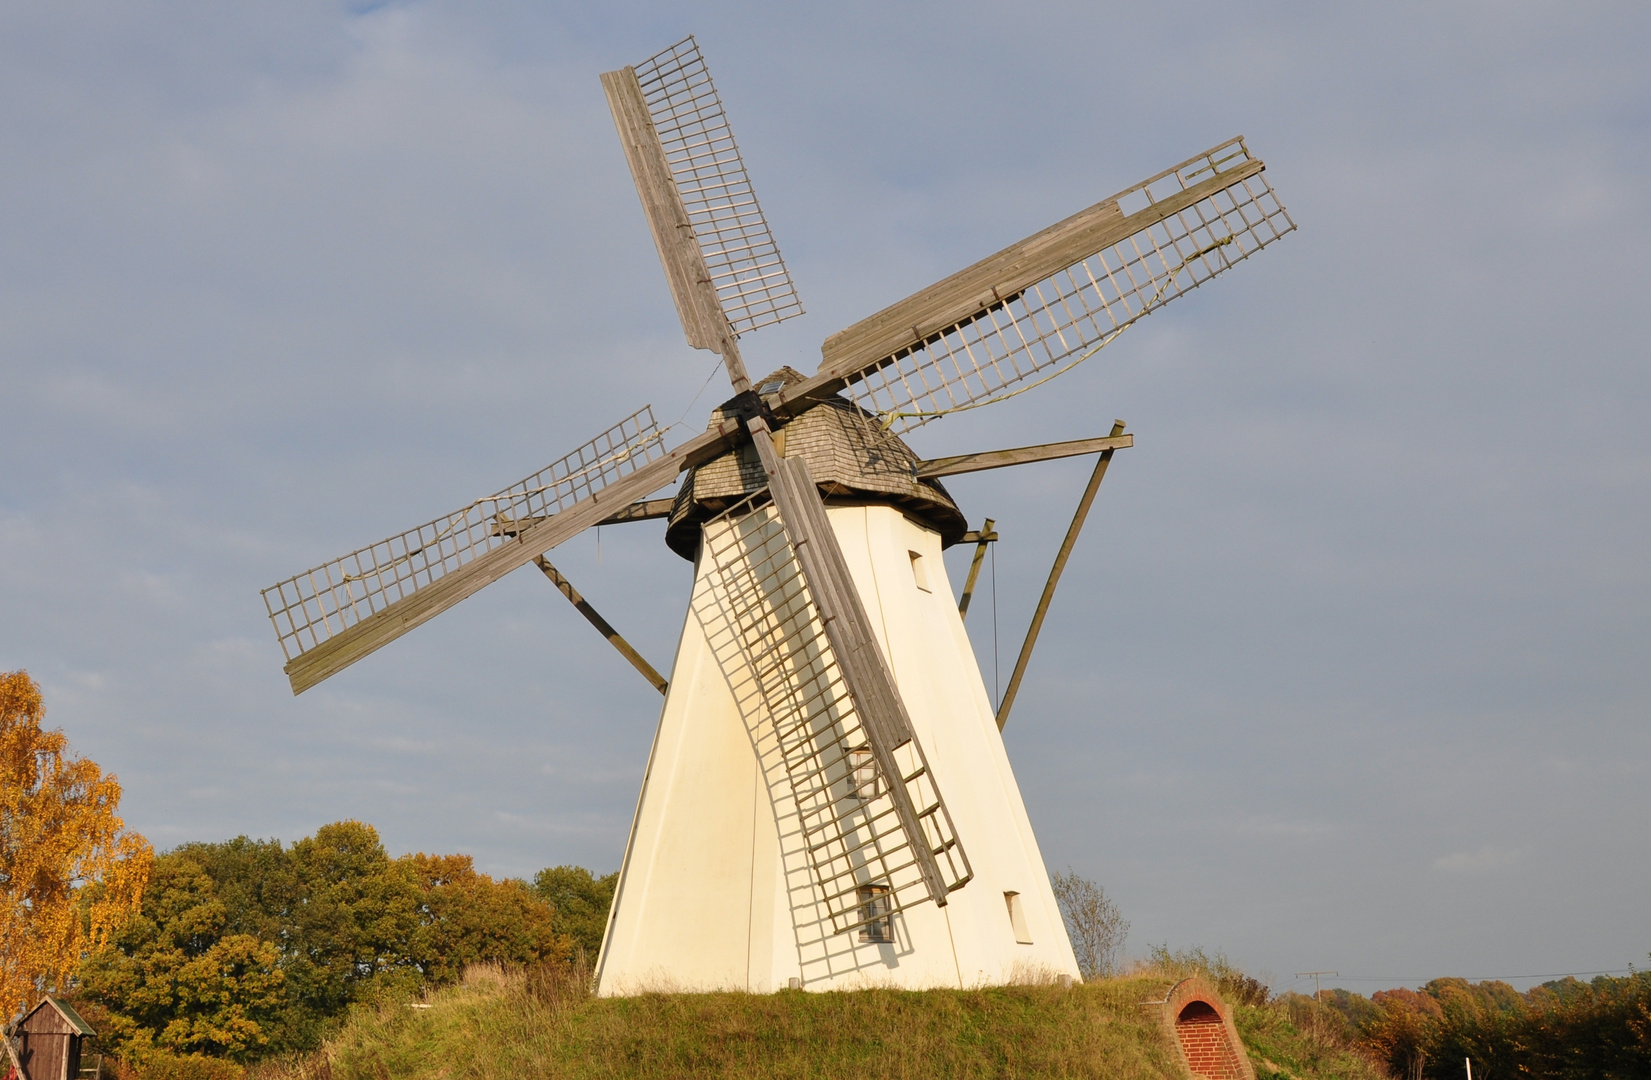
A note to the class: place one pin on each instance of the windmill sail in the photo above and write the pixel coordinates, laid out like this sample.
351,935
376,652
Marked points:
867,803
336,602
727,277
747,271
720,257
1056,297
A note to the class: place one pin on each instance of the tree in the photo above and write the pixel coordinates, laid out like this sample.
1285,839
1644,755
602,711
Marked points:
466,917
1097,929
248,948
173,978
70,873
581,901
1564,1029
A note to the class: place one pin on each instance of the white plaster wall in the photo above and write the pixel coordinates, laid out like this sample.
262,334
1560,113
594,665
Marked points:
715,893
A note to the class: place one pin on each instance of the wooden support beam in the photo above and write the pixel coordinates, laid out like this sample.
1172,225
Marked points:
645,510
998,459
11,1052
679,253
985,536
1065,552
642,510
602,625
697,303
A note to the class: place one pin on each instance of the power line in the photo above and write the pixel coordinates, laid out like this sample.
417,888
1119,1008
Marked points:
1470,978
1315,975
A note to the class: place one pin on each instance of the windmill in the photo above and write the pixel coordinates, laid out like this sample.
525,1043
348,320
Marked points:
827,802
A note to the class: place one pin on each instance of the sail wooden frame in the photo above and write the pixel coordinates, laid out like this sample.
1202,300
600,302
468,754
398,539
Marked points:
1060,294
311,608
770,636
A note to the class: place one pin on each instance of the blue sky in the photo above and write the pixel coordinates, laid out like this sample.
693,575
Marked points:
1350,668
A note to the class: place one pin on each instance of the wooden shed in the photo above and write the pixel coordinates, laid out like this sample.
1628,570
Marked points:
51,1038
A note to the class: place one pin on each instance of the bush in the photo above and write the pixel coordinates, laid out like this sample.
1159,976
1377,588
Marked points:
164,1065
1237,987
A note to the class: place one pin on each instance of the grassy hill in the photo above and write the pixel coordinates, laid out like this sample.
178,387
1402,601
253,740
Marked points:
497,1024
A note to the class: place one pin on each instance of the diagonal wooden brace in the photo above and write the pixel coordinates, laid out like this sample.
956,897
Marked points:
1065,552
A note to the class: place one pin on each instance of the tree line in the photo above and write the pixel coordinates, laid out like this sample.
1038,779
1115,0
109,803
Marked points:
249,948
243,949
1564,1028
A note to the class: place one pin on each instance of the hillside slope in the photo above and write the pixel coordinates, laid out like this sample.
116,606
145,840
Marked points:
510,1025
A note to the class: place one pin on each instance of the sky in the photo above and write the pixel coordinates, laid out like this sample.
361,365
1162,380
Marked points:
1349,669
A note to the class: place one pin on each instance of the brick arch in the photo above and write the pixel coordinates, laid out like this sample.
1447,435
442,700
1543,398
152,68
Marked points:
1201,1025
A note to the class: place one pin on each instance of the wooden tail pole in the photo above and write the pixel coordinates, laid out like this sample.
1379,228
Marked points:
602,626
1025,657
11,1052
982,538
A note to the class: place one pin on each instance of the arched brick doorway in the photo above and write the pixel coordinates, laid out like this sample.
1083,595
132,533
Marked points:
1203,1038
1201,1025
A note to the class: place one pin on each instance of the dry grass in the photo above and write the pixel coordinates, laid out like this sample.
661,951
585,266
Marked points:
1288,1042
499,1024
543,1023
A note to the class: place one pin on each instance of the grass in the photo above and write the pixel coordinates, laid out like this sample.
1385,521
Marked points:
498,1024
1288,1040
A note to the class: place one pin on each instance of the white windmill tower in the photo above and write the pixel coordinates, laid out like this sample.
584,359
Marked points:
791,828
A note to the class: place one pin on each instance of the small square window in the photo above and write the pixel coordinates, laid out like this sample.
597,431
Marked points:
877,908
864,784
919,572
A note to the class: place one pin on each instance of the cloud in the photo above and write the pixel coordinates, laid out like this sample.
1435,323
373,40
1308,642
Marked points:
1485,860
277,282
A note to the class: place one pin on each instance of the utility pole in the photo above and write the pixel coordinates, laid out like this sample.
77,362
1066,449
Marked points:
1315,975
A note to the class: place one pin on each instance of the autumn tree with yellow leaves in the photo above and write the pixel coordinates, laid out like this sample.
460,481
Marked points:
70,874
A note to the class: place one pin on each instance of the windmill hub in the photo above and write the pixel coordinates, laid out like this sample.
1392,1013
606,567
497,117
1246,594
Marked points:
852,458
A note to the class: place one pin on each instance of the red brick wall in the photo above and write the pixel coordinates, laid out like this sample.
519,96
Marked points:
1203,1038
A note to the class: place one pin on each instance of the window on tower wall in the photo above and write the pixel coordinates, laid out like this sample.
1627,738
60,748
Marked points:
863,784
1017,918
919,572
877,909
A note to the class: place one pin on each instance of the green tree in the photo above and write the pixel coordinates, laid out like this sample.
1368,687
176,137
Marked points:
466,917
581,902
249,947
172,977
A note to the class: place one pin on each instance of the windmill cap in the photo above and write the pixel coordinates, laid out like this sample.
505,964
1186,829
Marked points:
852,458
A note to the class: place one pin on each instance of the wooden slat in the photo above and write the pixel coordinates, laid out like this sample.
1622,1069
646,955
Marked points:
603,627
1071,539
979,538
11,1053
685,271
998,278
643,510
382,627
998,459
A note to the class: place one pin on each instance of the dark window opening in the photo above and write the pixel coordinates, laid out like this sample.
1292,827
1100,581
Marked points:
877,909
